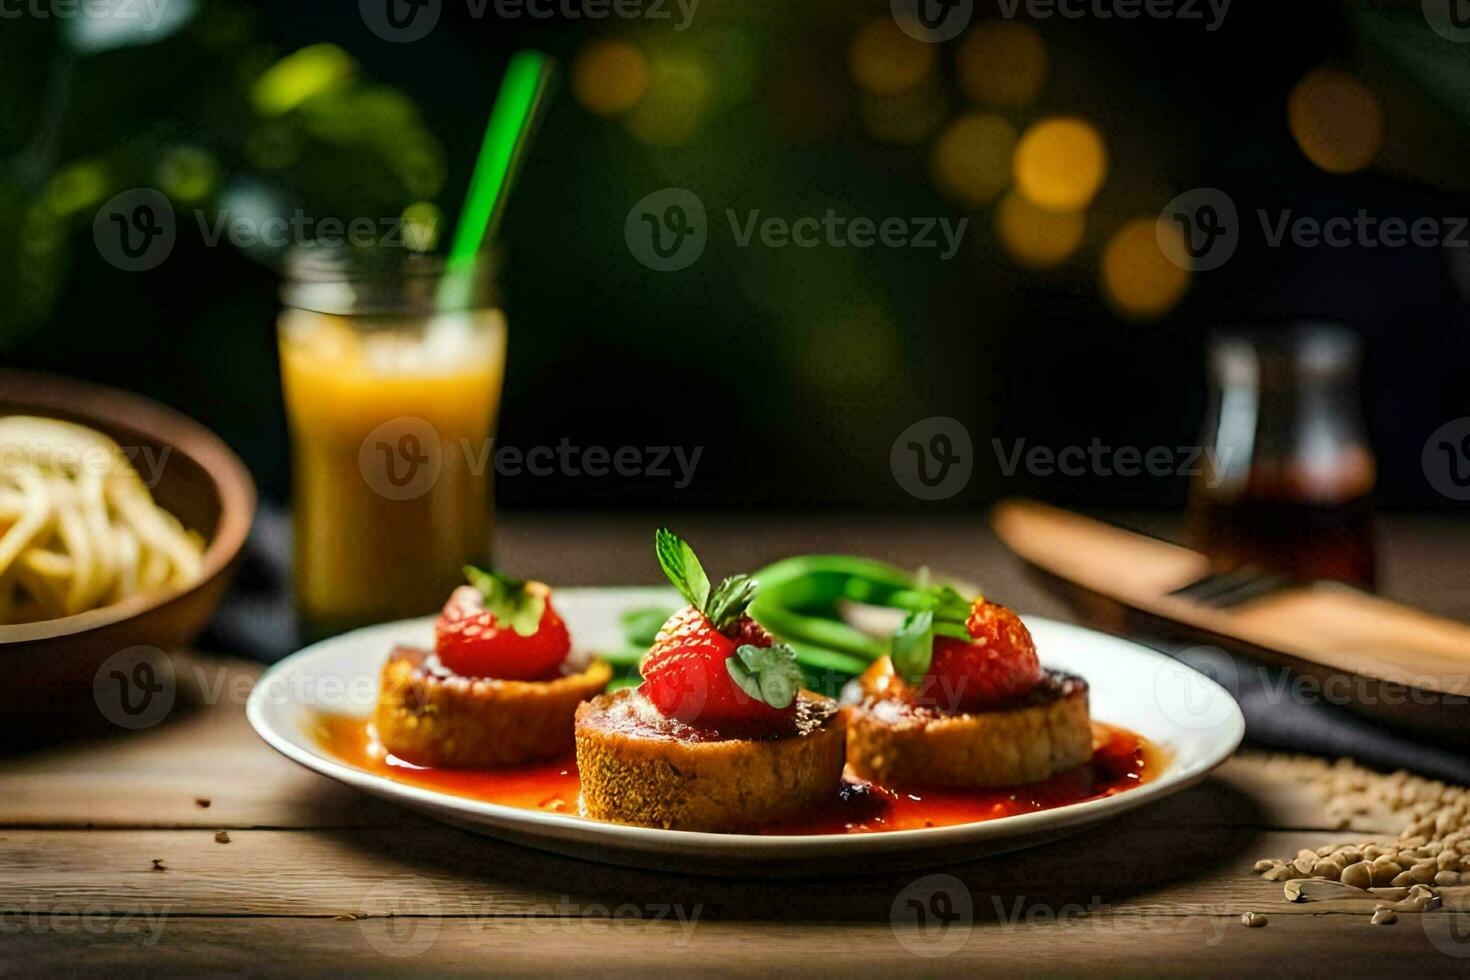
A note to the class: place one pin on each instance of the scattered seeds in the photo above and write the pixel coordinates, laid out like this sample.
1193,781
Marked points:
1253,920
1293,891
158,865
1359,875
221,836
1385,917
1278,872
1391,894
202,802
1433,847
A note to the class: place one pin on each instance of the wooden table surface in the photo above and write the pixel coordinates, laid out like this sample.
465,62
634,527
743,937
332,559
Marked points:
111,856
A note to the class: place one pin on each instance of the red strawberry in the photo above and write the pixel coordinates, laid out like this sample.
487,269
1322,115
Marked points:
711,664
998,664
685,676
499,627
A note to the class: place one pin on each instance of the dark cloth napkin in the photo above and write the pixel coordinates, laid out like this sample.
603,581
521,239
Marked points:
256,620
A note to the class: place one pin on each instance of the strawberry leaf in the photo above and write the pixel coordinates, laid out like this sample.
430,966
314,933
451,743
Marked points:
913,647
682,567
508,600
729,601
768,674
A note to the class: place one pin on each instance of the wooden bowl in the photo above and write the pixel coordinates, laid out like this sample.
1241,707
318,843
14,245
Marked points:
49,666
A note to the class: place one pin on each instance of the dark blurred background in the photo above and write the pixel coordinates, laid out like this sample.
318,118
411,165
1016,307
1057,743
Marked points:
794,368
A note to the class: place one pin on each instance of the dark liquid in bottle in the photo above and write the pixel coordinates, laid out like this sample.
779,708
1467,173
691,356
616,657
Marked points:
1278,525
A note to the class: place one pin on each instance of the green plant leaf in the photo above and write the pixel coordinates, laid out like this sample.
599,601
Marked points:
768,674
953,630
913,647
729,602
641,625
682,567
507,600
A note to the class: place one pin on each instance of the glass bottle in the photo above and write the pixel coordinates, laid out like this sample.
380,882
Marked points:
1287,477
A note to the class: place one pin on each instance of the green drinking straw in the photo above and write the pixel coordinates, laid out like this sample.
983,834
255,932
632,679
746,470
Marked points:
513,119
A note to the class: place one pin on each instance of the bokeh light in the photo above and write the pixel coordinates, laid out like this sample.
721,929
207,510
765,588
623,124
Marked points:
301,75
1138,279
1035,237
187,174
1336,120
906,119
678,96
1061,163
1002,63
422,221
886,61
74,189
609,77
970,162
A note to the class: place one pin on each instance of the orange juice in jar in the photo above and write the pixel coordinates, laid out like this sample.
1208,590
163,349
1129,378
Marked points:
392,384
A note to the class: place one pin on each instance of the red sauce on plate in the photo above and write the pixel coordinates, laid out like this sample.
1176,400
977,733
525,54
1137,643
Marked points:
1121,760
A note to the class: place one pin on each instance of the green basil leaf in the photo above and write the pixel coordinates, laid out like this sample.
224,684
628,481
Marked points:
751,656
913,647
779,683
768,674
682,567
748,681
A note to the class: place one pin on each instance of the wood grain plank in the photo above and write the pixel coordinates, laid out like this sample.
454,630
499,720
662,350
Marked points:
1069,945
203,750
1202,870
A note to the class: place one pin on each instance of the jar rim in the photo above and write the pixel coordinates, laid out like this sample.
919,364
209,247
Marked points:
386,281
1303,347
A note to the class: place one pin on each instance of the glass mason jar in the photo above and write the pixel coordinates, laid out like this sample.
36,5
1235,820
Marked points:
392,368
1288,476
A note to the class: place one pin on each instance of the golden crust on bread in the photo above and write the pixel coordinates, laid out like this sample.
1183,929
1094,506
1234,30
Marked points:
899,745
434,718
638,767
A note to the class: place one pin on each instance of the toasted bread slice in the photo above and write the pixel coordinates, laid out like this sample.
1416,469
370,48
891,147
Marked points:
900,745
430,717
639,767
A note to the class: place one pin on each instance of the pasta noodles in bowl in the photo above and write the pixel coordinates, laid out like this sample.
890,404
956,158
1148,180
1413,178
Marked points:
79,529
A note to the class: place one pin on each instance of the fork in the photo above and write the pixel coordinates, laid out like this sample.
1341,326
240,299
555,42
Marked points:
1225,590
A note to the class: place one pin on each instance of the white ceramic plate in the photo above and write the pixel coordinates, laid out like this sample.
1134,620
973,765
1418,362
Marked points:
1183,711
